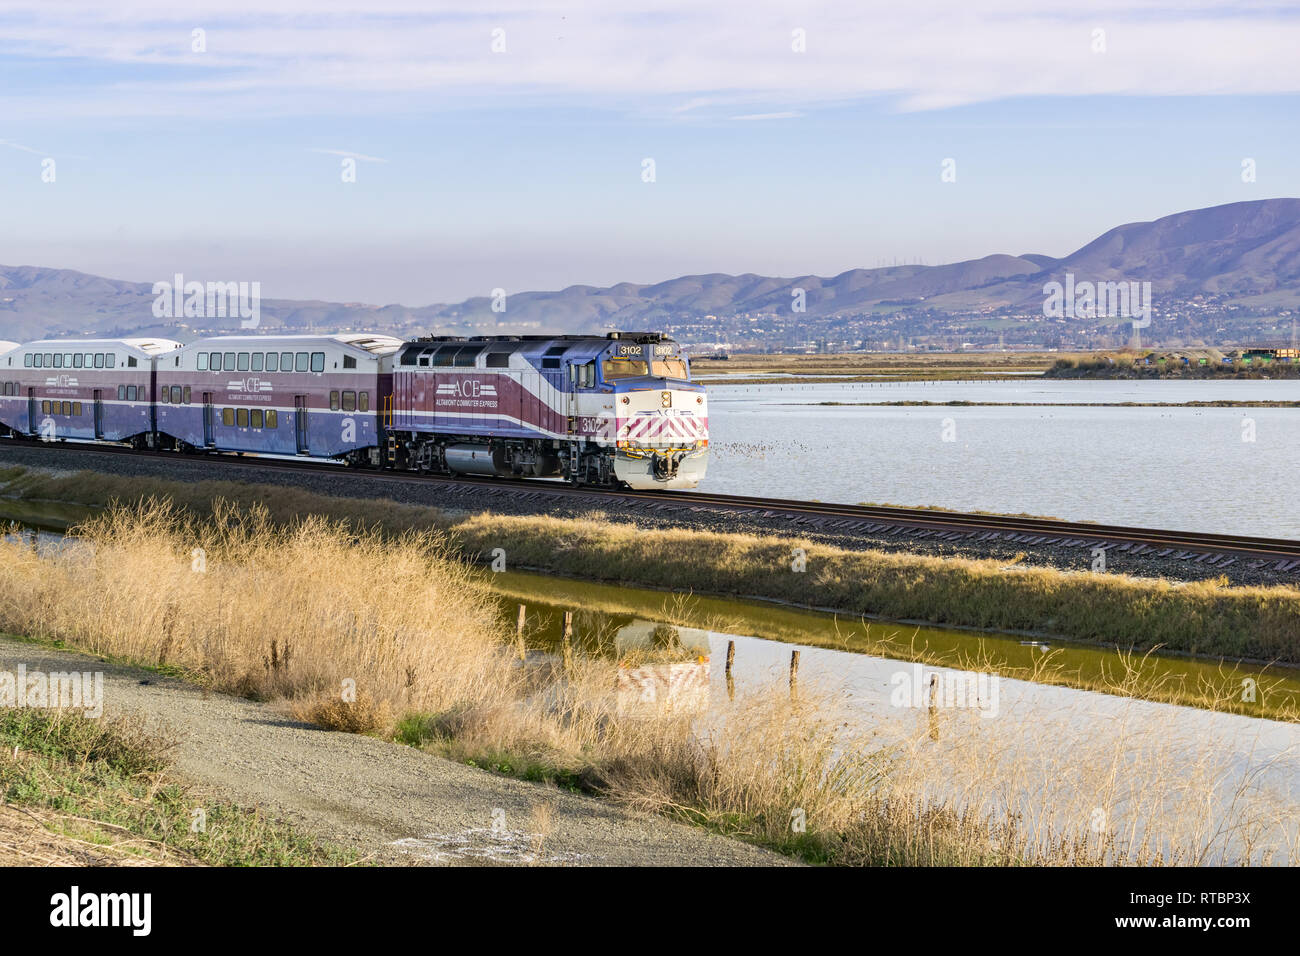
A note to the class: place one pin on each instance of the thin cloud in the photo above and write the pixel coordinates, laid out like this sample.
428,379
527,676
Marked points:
327,57
789,114
350,155
20,146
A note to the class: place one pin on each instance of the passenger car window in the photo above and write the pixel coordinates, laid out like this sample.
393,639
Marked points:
255,417
203,362
271,418
242,365
241,418
318,361
286,361
176,394
334,401
363,401
349,401
300,361
257,361
228,362
228,416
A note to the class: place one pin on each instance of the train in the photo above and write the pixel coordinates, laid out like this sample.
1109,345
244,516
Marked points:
613,410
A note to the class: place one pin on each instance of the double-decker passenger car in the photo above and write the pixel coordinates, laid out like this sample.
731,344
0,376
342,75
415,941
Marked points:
88,389
600,410
317,395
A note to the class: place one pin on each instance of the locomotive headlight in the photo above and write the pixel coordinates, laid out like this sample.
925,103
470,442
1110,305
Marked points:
626,400
699,399
665,399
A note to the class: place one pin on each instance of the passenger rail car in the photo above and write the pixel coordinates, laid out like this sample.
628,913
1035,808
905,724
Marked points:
87,389
619,409
314,395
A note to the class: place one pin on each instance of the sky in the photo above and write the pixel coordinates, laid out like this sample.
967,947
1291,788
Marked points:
544,144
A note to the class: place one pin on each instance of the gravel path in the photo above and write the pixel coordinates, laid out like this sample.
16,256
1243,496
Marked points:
480,496
383,799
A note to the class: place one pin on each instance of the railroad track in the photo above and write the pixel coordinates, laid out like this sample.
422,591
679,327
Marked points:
1210,550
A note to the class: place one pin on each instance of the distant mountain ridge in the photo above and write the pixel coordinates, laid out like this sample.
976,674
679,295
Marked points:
1247,251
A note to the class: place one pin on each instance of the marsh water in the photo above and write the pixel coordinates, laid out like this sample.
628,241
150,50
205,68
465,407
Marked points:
1088,457
1040,741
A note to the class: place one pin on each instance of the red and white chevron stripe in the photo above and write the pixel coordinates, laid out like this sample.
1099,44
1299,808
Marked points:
663,429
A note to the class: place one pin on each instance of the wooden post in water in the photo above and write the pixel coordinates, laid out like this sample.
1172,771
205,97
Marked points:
931,709
519,634
794,674
731,659
568,641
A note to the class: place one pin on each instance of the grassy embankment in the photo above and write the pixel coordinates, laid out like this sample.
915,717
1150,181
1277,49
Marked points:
1205,618
291,613
83,792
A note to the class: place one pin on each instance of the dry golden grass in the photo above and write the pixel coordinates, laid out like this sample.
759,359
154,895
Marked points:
314,611
1206,617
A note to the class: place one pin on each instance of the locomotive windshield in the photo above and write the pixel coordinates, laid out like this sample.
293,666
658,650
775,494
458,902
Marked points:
669,368
614,368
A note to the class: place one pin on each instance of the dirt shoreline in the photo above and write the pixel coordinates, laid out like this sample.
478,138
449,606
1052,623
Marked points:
392,803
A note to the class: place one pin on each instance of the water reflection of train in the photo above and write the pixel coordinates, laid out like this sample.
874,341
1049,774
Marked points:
612,410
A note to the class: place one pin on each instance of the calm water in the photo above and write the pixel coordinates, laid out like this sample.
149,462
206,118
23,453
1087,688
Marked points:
1186,468
1043,746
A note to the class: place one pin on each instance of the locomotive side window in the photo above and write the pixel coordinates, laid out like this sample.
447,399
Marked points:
318,361
442,358
349,361
498,360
